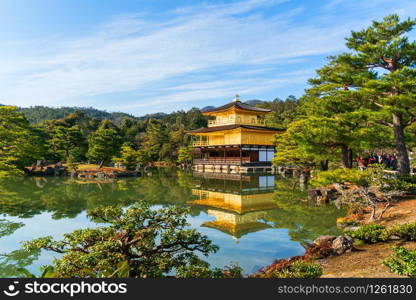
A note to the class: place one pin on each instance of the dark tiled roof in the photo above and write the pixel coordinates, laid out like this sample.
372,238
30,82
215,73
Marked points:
230,127
239,105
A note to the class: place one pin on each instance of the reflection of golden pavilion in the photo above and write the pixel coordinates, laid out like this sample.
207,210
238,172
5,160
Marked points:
238,206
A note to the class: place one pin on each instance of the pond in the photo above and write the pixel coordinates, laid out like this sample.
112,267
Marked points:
254,219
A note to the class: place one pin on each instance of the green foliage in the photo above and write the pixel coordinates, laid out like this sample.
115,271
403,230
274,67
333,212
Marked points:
400,183
356,95
370,234
405,231
282,113
300,217
341,175
157,143
185,154
332,121
12,264
384,49
153,242
19,142
201,269
66,130
104,144
38,114
8,227
129,157
297,269
65,139
47,272
402,262
291,152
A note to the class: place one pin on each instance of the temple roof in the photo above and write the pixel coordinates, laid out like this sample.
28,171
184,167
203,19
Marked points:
240,105
230,127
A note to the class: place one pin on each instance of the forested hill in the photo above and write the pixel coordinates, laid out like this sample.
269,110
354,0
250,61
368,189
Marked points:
37,114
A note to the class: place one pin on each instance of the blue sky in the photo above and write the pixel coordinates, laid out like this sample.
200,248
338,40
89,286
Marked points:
144,56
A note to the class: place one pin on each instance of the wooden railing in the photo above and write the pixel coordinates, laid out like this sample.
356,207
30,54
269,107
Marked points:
221,161
212,123
200,143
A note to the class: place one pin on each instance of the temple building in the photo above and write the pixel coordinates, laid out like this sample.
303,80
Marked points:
239,204
236,140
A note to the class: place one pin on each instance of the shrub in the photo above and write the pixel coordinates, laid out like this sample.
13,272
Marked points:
150,243
406,231
401,183
299,269
290,268
370,234
354,208
340,176
202,270
402,262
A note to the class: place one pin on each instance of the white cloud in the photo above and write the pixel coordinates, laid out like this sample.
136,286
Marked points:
217,89
190,54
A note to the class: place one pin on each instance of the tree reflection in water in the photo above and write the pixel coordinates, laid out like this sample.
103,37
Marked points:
236,206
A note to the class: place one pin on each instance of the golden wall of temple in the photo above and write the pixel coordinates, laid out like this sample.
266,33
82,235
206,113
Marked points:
237,136
236,117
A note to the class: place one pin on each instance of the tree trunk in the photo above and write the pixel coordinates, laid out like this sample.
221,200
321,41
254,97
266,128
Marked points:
403,164
101,164
323,165
350,157
304,177
346,157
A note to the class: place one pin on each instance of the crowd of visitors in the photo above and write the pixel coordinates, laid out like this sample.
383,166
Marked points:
387,160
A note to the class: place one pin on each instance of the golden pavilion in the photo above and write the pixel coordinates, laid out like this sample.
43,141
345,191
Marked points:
236,140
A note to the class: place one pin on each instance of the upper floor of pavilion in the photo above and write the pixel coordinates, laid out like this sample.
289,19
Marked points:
236,113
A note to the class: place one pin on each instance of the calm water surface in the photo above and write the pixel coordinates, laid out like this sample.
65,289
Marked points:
253,219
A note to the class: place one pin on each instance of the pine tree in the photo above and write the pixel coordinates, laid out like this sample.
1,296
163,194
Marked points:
334,119
104,144
129,157
65,139
384,49
19,143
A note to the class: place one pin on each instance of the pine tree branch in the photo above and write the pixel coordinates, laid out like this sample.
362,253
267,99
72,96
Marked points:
376,103
412,118
385,123
410,122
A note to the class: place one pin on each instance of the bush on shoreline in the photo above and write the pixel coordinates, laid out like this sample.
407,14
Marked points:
402,262
295,267
374,233
405,232
370,234
341,175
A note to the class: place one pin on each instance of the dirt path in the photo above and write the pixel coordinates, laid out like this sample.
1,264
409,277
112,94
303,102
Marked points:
401,212
366,262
